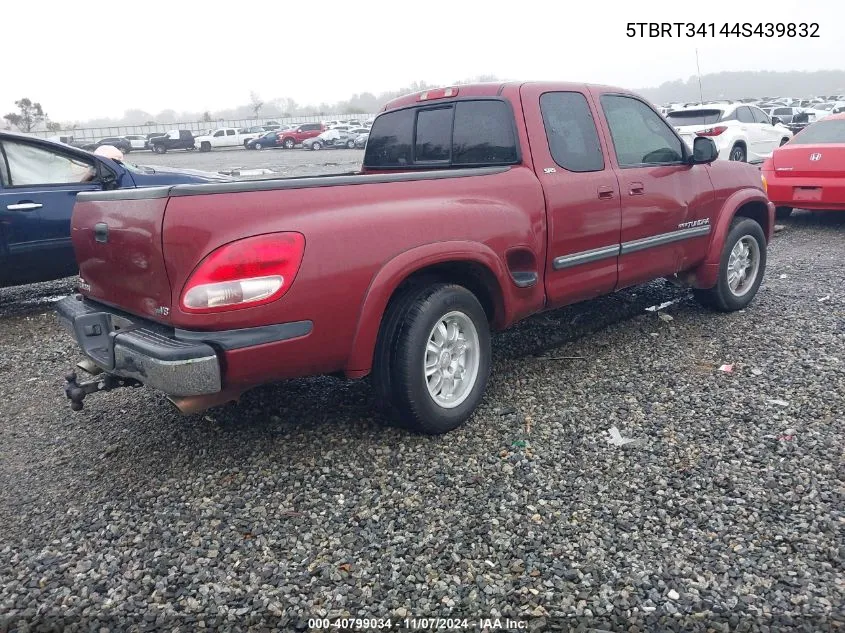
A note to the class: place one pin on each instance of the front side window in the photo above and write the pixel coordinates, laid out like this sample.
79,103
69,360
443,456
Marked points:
760,116
219,133
571,131
640,135
744,115
34,165
230,132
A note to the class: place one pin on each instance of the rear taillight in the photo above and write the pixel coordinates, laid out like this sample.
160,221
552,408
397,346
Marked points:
712,131
245,273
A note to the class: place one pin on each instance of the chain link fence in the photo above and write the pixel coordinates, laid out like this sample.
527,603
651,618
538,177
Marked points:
96,133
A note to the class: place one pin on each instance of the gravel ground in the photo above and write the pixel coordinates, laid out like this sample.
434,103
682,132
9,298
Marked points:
300,502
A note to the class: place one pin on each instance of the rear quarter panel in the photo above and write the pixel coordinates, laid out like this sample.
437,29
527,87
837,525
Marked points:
352,233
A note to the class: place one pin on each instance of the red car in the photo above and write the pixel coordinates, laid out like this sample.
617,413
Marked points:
809,171
478,206
292,138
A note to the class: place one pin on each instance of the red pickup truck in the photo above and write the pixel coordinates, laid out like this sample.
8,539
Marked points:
476,207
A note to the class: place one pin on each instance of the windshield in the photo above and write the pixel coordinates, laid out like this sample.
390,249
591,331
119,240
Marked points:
823,132
694,117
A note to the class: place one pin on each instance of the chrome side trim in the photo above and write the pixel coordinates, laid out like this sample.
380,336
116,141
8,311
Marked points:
664,238
585,257
596,254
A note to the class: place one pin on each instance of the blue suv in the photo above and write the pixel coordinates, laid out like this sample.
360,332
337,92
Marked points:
39,180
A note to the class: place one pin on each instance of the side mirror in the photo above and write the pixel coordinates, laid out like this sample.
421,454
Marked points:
776,120
107,178
704,150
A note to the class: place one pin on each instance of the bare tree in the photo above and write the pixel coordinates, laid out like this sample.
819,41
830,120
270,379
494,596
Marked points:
30,116
256,103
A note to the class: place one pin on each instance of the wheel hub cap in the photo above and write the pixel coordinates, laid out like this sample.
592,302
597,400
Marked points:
743,265
451,359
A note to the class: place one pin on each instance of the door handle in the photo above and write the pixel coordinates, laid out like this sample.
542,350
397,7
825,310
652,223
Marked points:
24,206
605,193
637,188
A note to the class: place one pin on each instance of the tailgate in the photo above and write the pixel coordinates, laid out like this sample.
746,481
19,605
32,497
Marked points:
117,240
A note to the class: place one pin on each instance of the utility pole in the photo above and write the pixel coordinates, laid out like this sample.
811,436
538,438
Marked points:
698,68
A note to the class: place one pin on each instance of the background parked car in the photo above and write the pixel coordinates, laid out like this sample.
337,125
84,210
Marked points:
173,139
293,137
266,141
39,180
335,137
361,140
137,141
224,137
115,141
741,132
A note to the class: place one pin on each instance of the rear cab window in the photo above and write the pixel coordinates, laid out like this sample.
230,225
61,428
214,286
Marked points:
462,133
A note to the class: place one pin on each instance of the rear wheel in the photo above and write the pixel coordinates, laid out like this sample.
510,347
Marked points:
205,146
784,141
350,144
316,145
259,146
432,361
741,268
737,153
781,213
289,143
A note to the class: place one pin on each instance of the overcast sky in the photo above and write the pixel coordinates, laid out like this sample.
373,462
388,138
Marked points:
86,60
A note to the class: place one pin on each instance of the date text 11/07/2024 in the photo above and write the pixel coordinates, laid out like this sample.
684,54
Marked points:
711,29
417,624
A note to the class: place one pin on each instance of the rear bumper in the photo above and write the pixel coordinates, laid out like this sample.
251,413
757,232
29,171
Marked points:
174,361
806,192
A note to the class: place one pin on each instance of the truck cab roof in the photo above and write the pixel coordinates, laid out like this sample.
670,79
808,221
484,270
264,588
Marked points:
487,89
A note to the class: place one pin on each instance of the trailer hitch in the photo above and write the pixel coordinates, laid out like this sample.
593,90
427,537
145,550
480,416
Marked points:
76,391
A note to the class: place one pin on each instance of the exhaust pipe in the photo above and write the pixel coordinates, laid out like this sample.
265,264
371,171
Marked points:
189,405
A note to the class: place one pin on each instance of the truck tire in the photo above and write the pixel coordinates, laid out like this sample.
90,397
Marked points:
781,213
288,143
432,361
741,268
159,149
205,146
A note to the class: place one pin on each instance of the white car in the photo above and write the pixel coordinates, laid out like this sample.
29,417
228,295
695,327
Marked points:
741,132
225,137
137,141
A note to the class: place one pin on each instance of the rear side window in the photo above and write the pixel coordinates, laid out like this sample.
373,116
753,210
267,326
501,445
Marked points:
571,131
462,133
